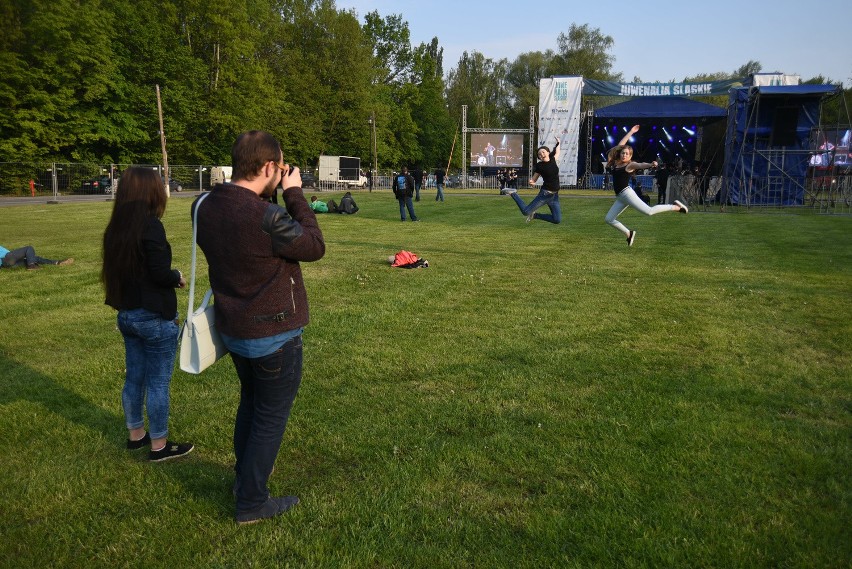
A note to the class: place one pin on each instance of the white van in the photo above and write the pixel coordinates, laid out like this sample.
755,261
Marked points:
220,175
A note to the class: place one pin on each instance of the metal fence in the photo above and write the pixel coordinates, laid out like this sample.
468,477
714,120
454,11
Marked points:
823,193
18,179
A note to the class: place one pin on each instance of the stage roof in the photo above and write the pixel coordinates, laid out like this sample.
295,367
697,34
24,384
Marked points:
796,89
660,107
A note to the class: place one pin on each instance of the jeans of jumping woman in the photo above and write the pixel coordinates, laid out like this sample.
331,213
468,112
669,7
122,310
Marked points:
544,197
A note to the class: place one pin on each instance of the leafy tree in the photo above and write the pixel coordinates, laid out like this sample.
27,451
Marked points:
522,79
412,120
479,83
57,77
585,51
749,68
429,110
151,52
391,43
325,64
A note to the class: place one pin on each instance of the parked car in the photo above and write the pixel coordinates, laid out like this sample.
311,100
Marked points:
174,185
456,181
309,180
99,185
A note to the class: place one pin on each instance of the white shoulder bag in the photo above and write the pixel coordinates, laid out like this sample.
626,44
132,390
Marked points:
201,344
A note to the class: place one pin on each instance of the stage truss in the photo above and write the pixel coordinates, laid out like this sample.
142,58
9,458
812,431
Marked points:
466,130
828,190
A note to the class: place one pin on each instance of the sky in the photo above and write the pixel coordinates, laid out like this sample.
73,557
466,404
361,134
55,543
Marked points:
654,40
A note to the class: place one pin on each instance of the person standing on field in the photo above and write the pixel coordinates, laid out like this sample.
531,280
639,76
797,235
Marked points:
417,174
253,250
439,183
403,190
140,284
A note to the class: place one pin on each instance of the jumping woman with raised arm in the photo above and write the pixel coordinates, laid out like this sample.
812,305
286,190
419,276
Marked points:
548,169
621,166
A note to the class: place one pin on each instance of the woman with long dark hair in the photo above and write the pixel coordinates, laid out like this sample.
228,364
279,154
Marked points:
621,166
140,283
548,169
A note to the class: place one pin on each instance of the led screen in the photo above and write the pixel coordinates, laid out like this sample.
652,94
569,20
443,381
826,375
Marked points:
497,150
831,148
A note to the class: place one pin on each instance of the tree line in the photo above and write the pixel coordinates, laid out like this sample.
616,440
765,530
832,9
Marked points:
79,81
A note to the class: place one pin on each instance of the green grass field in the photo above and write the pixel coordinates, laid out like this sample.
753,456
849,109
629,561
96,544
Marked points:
540,396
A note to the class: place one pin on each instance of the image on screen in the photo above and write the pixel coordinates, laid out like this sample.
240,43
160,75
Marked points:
831,148
497,150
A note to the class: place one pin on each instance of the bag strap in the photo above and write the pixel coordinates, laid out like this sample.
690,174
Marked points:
189,311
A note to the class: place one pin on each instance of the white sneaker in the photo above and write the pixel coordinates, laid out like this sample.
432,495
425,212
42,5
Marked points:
683,208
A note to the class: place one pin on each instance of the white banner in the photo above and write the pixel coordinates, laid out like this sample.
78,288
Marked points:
559,117
775,79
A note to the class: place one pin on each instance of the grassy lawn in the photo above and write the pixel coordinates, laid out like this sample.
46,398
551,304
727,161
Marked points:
540,396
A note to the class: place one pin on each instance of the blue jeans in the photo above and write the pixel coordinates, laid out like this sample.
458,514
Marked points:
440,196
417,191
150,343
268,387
22,255
544,197
406,203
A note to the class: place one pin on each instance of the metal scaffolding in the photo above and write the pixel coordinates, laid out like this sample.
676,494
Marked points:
466,130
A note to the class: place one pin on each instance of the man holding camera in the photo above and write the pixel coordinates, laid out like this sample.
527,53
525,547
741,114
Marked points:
253,249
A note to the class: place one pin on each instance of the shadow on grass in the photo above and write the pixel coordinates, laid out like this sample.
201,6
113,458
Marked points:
203,479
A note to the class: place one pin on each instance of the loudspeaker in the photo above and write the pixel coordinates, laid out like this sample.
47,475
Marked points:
784,126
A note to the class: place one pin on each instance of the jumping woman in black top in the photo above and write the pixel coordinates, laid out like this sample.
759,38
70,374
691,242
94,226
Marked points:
548,170
621,166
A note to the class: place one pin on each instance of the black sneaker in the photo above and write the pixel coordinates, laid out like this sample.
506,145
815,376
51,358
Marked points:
273,507
630,238
171,450
136,445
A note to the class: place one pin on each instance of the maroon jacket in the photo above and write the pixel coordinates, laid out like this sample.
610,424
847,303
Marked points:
253,249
